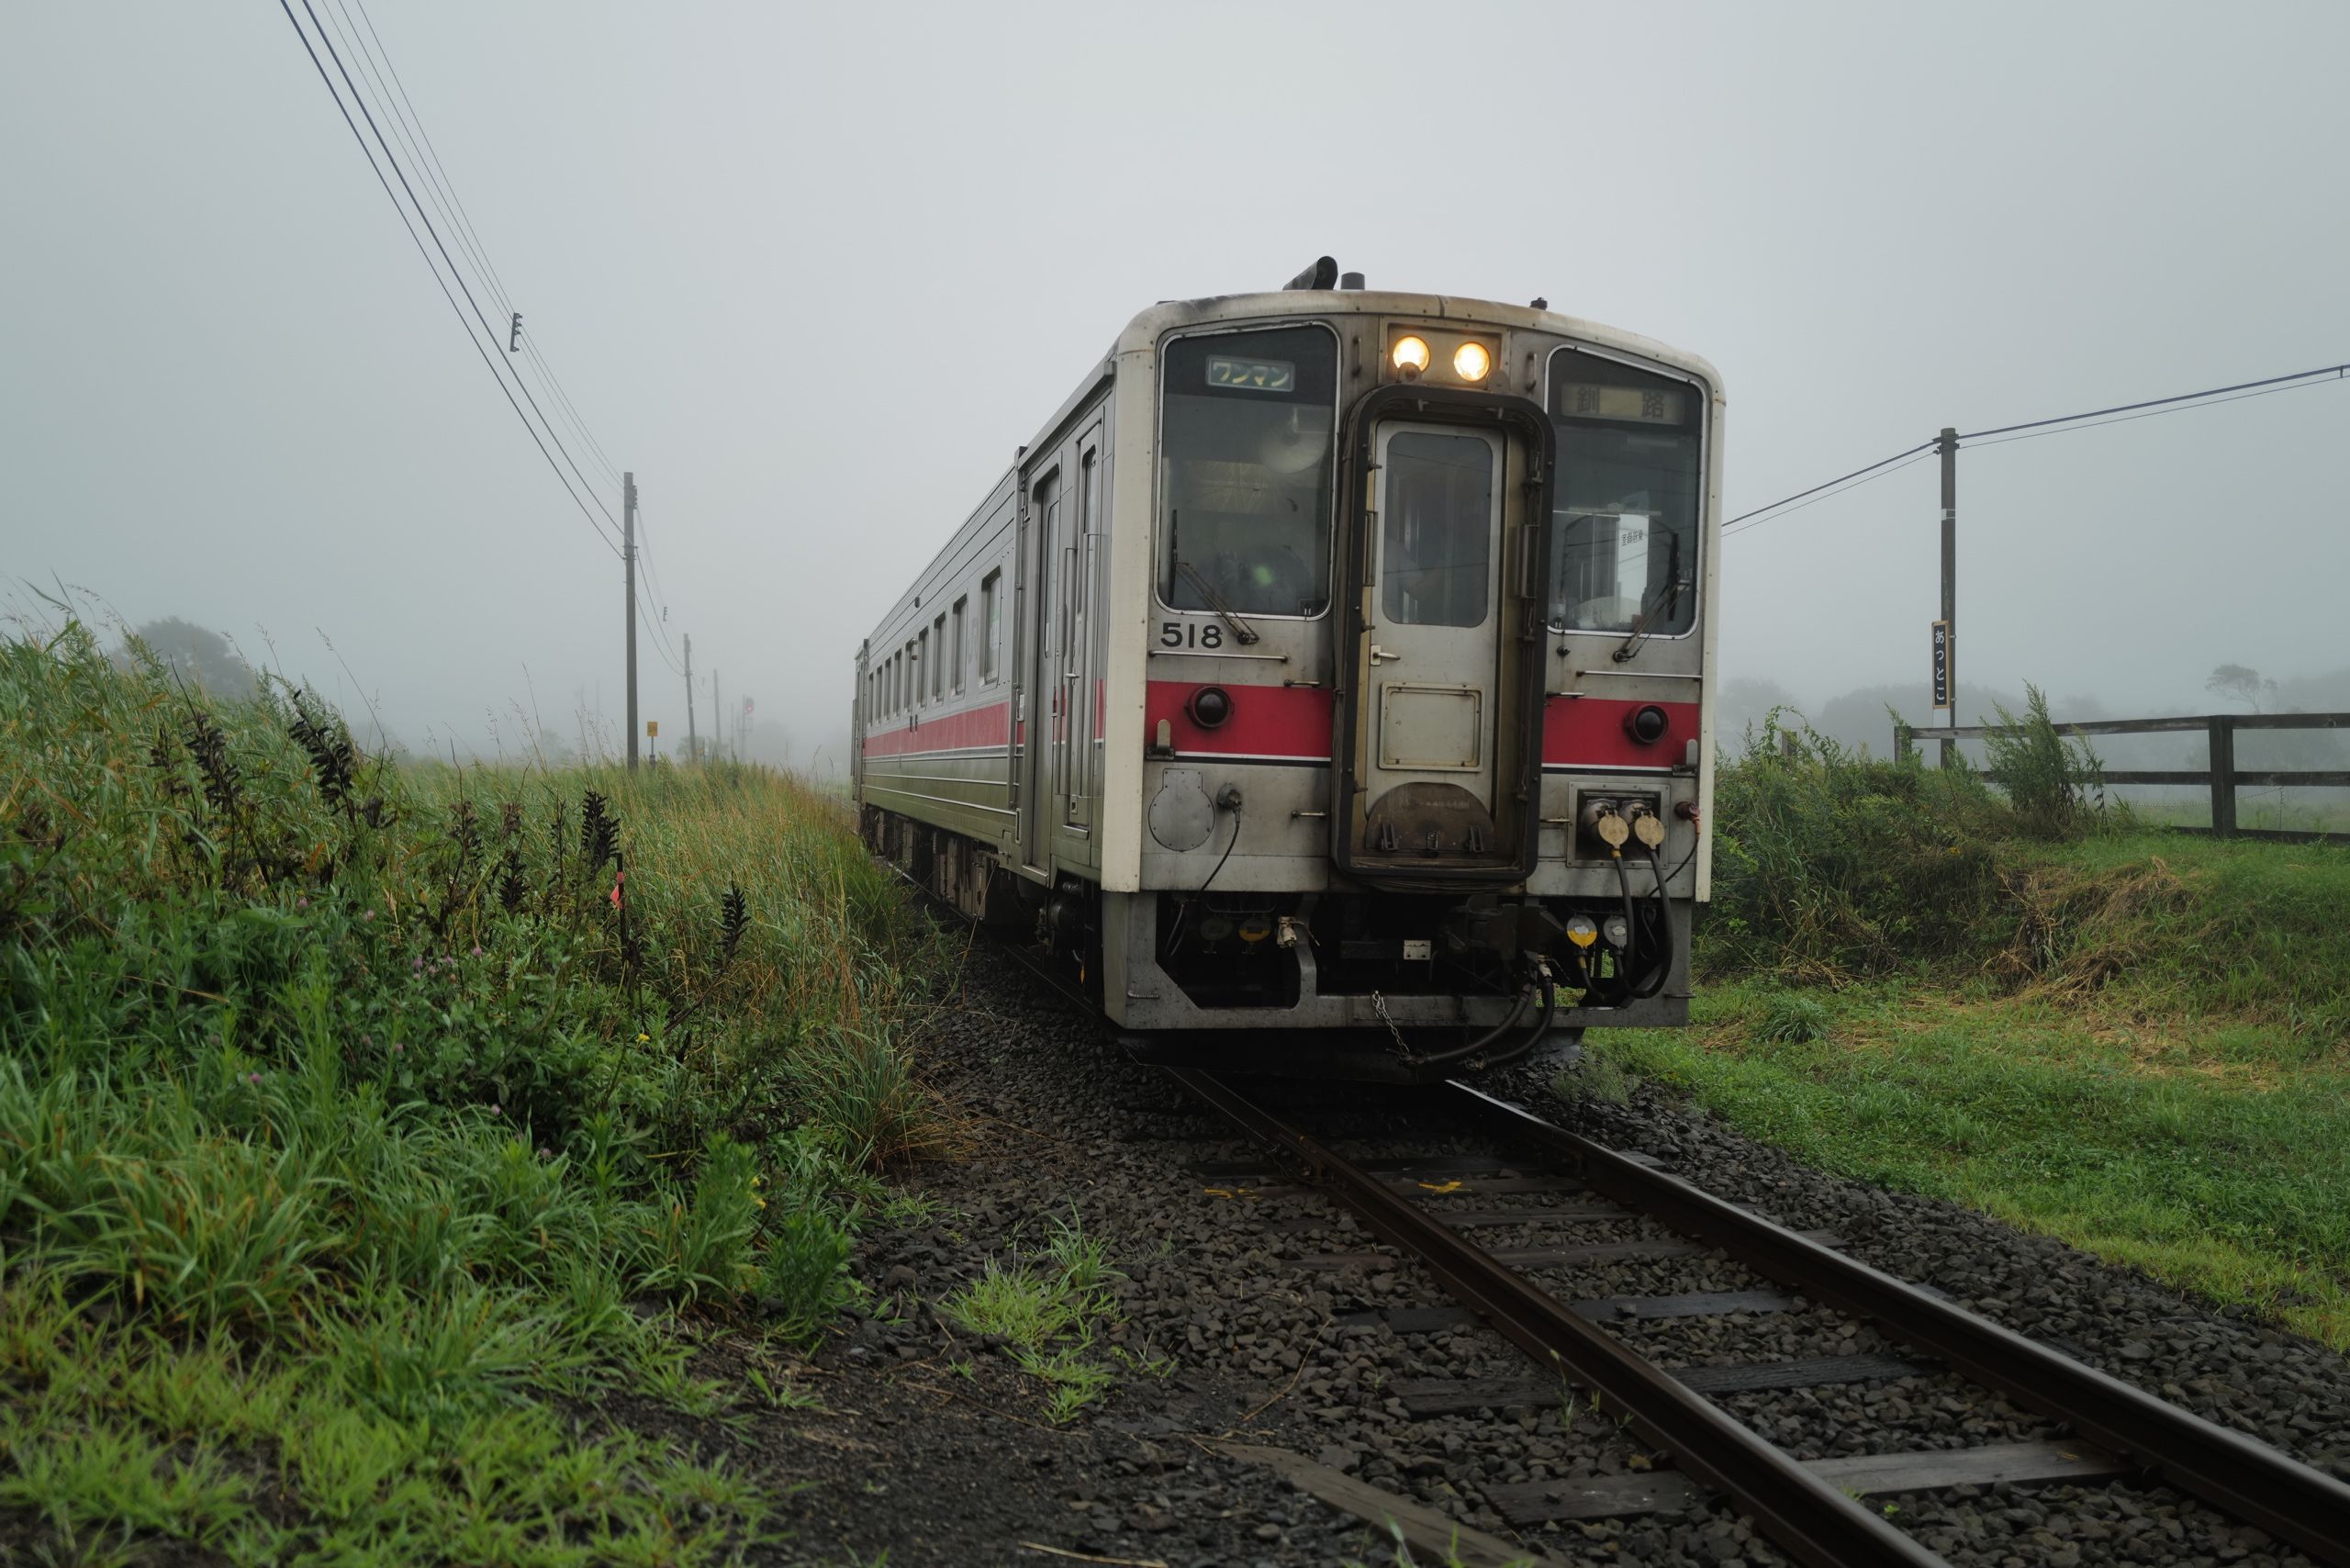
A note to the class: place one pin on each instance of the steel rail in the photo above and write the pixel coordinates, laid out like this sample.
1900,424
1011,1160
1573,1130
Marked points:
1812,1520
2239,1474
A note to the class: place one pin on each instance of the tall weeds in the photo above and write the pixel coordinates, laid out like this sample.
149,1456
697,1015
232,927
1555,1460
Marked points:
1830,863
411,1078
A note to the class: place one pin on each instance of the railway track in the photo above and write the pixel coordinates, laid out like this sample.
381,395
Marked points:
1810,1509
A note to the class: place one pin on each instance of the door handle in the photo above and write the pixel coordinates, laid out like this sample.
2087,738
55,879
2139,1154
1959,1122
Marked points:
1379,654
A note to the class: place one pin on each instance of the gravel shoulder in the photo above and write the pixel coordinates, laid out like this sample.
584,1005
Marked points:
1239,1312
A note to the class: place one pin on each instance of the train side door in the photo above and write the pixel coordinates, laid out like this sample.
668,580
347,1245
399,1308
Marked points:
1036,706
1077,738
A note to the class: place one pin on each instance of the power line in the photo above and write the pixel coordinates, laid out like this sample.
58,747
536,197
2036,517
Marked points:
2266,391
1874,472
645,559
487,363
436,174
360,99
1799,495
2063,424
2332,370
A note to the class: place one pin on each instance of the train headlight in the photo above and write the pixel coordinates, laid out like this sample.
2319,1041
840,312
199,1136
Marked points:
1410,356
1470,362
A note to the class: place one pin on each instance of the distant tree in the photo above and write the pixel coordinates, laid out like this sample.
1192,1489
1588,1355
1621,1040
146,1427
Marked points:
1743,703
198,655
2242,683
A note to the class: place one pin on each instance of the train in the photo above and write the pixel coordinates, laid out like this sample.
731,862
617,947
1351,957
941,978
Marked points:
1327,685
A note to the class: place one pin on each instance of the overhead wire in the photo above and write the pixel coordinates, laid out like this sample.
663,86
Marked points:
360,99
2120,413
1814,489
1823,493
437,174
2265,391
2333,370
487,362
408,129
653,580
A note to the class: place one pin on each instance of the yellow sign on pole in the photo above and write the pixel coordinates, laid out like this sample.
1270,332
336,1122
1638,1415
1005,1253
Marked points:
651,727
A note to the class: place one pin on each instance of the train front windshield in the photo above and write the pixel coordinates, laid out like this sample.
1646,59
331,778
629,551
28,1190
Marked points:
1630,477
1246,475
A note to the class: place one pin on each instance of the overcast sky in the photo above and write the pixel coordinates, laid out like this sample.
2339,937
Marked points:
814,273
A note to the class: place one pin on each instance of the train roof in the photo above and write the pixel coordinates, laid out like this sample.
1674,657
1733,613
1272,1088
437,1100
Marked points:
1145,330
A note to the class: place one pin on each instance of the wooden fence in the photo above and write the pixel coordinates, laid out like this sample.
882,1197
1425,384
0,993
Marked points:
2219,773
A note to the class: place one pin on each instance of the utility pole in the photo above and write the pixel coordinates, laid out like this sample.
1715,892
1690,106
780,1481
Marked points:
1949,445
717,718
693,747
628,557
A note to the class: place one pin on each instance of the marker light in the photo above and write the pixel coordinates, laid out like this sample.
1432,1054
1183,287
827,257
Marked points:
1581,931
1617,930
1470,362
1410,356
1209,706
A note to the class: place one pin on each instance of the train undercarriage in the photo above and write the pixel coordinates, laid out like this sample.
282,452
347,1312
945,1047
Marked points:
1359,982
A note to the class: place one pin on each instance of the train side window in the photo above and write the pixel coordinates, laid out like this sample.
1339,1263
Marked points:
956,641
1247,471
990,623
938,656
922,661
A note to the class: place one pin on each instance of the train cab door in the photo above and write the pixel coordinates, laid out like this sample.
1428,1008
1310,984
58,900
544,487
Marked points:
1438,728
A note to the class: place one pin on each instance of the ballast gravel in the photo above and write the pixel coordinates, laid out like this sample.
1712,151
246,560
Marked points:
1248,1312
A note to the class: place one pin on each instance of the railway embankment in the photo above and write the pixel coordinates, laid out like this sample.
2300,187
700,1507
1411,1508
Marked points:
392,1159
2029,1003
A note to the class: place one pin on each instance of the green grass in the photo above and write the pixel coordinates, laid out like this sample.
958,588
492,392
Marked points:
2215,1156
2026,1001
348,1125
1048,1308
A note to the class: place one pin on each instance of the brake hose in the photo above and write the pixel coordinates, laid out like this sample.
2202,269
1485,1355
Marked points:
1631,931
1542,1026
1497,1030
1663,928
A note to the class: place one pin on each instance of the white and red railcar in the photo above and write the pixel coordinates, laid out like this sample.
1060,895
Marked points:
1333,660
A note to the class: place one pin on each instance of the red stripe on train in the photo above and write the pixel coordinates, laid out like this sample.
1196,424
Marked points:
987,726
1292,723
1588,732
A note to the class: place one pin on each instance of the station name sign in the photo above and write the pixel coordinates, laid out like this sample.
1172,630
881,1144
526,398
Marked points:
1941,664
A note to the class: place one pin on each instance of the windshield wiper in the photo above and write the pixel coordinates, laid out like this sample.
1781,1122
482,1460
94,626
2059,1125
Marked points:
1663,601
1231,617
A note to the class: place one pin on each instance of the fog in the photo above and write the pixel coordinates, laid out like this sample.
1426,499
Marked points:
814,273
